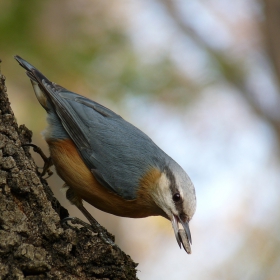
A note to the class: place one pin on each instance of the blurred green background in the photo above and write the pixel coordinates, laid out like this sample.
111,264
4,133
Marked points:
201,78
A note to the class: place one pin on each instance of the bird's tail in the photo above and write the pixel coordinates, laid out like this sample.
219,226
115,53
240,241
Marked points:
37,79
24,63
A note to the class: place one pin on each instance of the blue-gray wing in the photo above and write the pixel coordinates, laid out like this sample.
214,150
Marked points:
117,153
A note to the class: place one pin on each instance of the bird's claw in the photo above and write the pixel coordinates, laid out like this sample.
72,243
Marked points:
48,171
47,160
96,228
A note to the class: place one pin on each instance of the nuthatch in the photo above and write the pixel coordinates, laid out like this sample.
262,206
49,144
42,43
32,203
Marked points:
110,163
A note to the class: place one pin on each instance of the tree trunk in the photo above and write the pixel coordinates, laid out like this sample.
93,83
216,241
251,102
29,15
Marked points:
33,242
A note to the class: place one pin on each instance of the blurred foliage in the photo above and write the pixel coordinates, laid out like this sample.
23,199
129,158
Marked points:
84,46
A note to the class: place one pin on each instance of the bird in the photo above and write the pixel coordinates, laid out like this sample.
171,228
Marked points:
108,162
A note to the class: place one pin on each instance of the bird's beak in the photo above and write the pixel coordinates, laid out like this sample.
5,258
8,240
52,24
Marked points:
183,236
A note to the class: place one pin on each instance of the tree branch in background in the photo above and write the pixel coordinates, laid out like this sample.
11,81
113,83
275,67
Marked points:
271,30
234,72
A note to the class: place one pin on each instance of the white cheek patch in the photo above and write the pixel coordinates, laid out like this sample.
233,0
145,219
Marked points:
164,183
163,196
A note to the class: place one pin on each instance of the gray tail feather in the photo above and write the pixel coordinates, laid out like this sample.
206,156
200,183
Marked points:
31,71
24,63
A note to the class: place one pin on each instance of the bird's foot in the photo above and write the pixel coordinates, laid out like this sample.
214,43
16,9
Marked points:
93,226
47,160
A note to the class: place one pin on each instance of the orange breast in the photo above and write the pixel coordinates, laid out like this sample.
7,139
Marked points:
71,168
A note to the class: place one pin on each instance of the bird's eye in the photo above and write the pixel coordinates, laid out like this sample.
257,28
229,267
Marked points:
176,197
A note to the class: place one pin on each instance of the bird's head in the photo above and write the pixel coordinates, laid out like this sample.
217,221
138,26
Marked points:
175,195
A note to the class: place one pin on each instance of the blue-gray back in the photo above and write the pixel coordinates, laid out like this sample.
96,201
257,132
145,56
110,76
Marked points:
117,153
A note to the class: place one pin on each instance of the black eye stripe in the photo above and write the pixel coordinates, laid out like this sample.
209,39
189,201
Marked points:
174,189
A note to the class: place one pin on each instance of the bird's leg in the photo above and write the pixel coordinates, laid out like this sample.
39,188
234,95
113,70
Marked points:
94,225
47,160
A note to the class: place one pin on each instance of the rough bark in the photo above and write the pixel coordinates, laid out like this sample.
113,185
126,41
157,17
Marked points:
33,242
